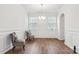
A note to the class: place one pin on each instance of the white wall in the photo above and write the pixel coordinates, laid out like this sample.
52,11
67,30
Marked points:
71,13
13,18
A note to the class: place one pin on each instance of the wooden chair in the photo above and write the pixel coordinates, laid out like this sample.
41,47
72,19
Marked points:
16,42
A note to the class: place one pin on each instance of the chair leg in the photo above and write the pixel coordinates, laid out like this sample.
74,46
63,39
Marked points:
23,47
13,48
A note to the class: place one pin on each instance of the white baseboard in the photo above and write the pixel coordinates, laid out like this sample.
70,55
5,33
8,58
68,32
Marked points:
6,49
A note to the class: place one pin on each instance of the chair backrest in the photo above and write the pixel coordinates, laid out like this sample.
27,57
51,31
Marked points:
28,33
13,37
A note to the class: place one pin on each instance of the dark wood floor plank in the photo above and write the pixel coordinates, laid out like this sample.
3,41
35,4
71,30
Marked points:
43,46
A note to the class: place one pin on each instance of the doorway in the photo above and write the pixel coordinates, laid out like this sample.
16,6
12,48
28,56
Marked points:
62,27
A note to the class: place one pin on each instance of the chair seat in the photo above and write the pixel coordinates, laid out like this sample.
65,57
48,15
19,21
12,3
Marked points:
18,43
19,40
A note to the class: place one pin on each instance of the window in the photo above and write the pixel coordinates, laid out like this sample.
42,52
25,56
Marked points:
51,23
46,24
33,21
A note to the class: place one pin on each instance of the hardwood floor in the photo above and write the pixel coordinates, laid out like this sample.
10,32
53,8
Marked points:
43,46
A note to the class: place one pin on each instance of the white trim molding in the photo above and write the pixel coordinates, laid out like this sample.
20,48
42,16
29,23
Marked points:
72,38
6,49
